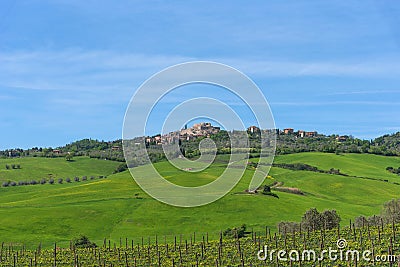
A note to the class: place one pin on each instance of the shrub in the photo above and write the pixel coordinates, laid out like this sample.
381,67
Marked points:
51,181
43,181
237,232
121,167
13,183
13,166
83,242
7,167
91,177
68,180
5,184
393,170
33,182
60,180
291,190
76,179
84,178
266,190
18,166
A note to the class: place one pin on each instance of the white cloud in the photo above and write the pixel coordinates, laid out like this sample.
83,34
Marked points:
76,70
332,103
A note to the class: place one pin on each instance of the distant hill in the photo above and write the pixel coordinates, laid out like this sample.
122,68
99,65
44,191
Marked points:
286,143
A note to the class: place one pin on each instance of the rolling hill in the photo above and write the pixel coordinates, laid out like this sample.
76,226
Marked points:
116,207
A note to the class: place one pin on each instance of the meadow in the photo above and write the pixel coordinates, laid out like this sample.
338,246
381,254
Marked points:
35,168
115,207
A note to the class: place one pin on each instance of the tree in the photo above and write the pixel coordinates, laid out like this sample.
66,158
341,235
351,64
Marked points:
51,181
69,157
7,166
60,180
312,219
288,227
391,211
330,219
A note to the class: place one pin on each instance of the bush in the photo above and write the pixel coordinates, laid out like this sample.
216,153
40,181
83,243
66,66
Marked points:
5,184
51,181
266,190
7,167
237,232
83,242
76,179
13,183
13,166
60,180
43,181
121,167
291,190
68,180
84,178
18,166
33,182
91,177
393,170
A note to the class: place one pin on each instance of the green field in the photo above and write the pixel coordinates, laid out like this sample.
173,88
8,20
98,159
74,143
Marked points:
38,168
116,207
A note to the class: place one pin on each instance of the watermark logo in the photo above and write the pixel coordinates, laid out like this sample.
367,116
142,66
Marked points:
340,253
146,97
341,243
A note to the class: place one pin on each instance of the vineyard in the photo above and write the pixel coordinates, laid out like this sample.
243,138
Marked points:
381,244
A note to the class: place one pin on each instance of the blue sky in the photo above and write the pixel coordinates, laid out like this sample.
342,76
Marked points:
69,68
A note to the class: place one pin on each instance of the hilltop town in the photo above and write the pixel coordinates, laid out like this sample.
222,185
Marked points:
203,129
206,129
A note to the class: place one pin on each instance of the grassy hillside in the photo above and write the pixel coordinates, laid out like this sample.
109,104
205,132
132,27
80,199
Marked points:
116,207
38,168
363,165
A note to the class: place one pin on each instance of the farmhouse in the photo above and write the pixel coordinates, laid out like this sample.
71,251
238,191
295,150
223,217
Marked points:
288,131
342,138
57,151
253,129
301,133
311,134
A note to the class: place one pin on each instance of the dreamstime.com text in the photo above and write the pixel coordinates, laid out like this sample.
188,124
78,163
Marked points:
340,253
